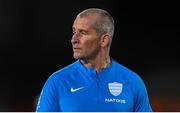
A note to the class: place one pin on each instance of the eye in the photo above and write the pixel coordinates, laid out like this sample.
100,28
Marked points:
83,32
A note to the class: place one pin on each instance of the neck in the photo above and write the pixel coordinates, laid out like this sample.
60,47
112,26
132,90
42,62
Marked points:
98,63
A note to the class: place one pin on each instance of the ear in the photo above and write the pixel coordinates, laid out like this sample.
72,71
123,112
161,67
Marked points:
105,40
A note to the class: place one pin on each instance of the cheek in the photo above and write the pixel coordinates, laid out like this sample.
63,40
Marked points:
92,45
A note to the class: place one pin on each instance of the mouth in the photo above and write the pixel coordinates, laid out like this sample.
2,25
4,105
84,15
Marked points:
76,49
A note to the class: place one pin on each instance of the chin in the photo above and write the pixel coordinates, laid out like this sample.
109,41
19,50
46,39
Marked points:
76,56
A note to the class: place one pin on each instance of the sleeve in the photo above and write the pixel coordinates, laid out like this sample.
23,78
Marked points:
142,103
48,100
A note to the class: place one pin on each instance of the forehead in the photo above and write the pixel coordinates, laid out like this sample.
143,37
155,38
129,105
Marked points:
84,22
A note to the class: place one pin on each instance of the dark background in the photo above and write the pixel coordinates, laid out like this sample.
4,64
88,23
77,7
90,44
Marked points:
35,42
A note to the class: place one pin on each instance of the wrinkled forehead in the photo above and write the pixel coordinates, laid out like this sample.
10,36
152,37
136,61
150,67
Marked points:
85,21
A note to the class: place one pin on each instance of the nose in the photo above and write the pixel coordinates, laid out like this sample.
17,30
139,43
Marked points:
75,38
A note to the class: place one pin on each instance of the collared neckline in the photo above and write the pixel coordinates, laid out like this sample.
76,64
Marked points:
92,71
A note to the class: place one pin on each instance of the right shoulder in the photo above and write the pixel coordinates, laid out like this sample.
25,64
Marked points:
59,77
64,72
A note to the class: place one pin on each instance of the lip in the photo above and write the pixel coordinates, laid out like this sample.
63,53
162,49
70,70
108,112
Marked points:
76,49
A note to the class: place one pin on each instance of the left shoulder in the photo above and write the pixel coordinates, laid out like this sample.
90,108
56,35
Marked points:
127,73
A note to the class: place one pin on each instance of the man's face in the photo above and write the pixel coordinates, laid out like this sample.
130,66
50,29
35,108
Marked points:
85,41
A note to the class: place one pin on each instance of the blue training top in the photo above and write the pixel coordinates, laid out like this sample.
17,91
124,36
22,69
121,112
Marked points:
76,88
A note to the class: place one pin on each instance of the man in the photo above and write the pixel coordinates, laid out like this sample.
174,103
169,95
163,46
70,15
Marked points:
95,82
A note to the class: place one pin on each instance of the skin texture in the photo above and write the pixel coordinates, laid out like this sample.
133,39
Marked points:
92,49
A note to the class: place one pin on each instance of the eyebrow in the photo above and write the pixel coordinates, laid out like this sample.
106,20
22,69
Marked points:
80,30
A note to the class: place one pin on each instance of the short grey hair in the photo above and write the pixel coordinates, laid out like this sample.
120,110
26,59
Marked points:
103,25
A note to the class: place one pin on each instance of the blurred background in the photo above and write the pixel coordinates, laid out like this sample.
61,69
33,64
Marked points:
35,42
